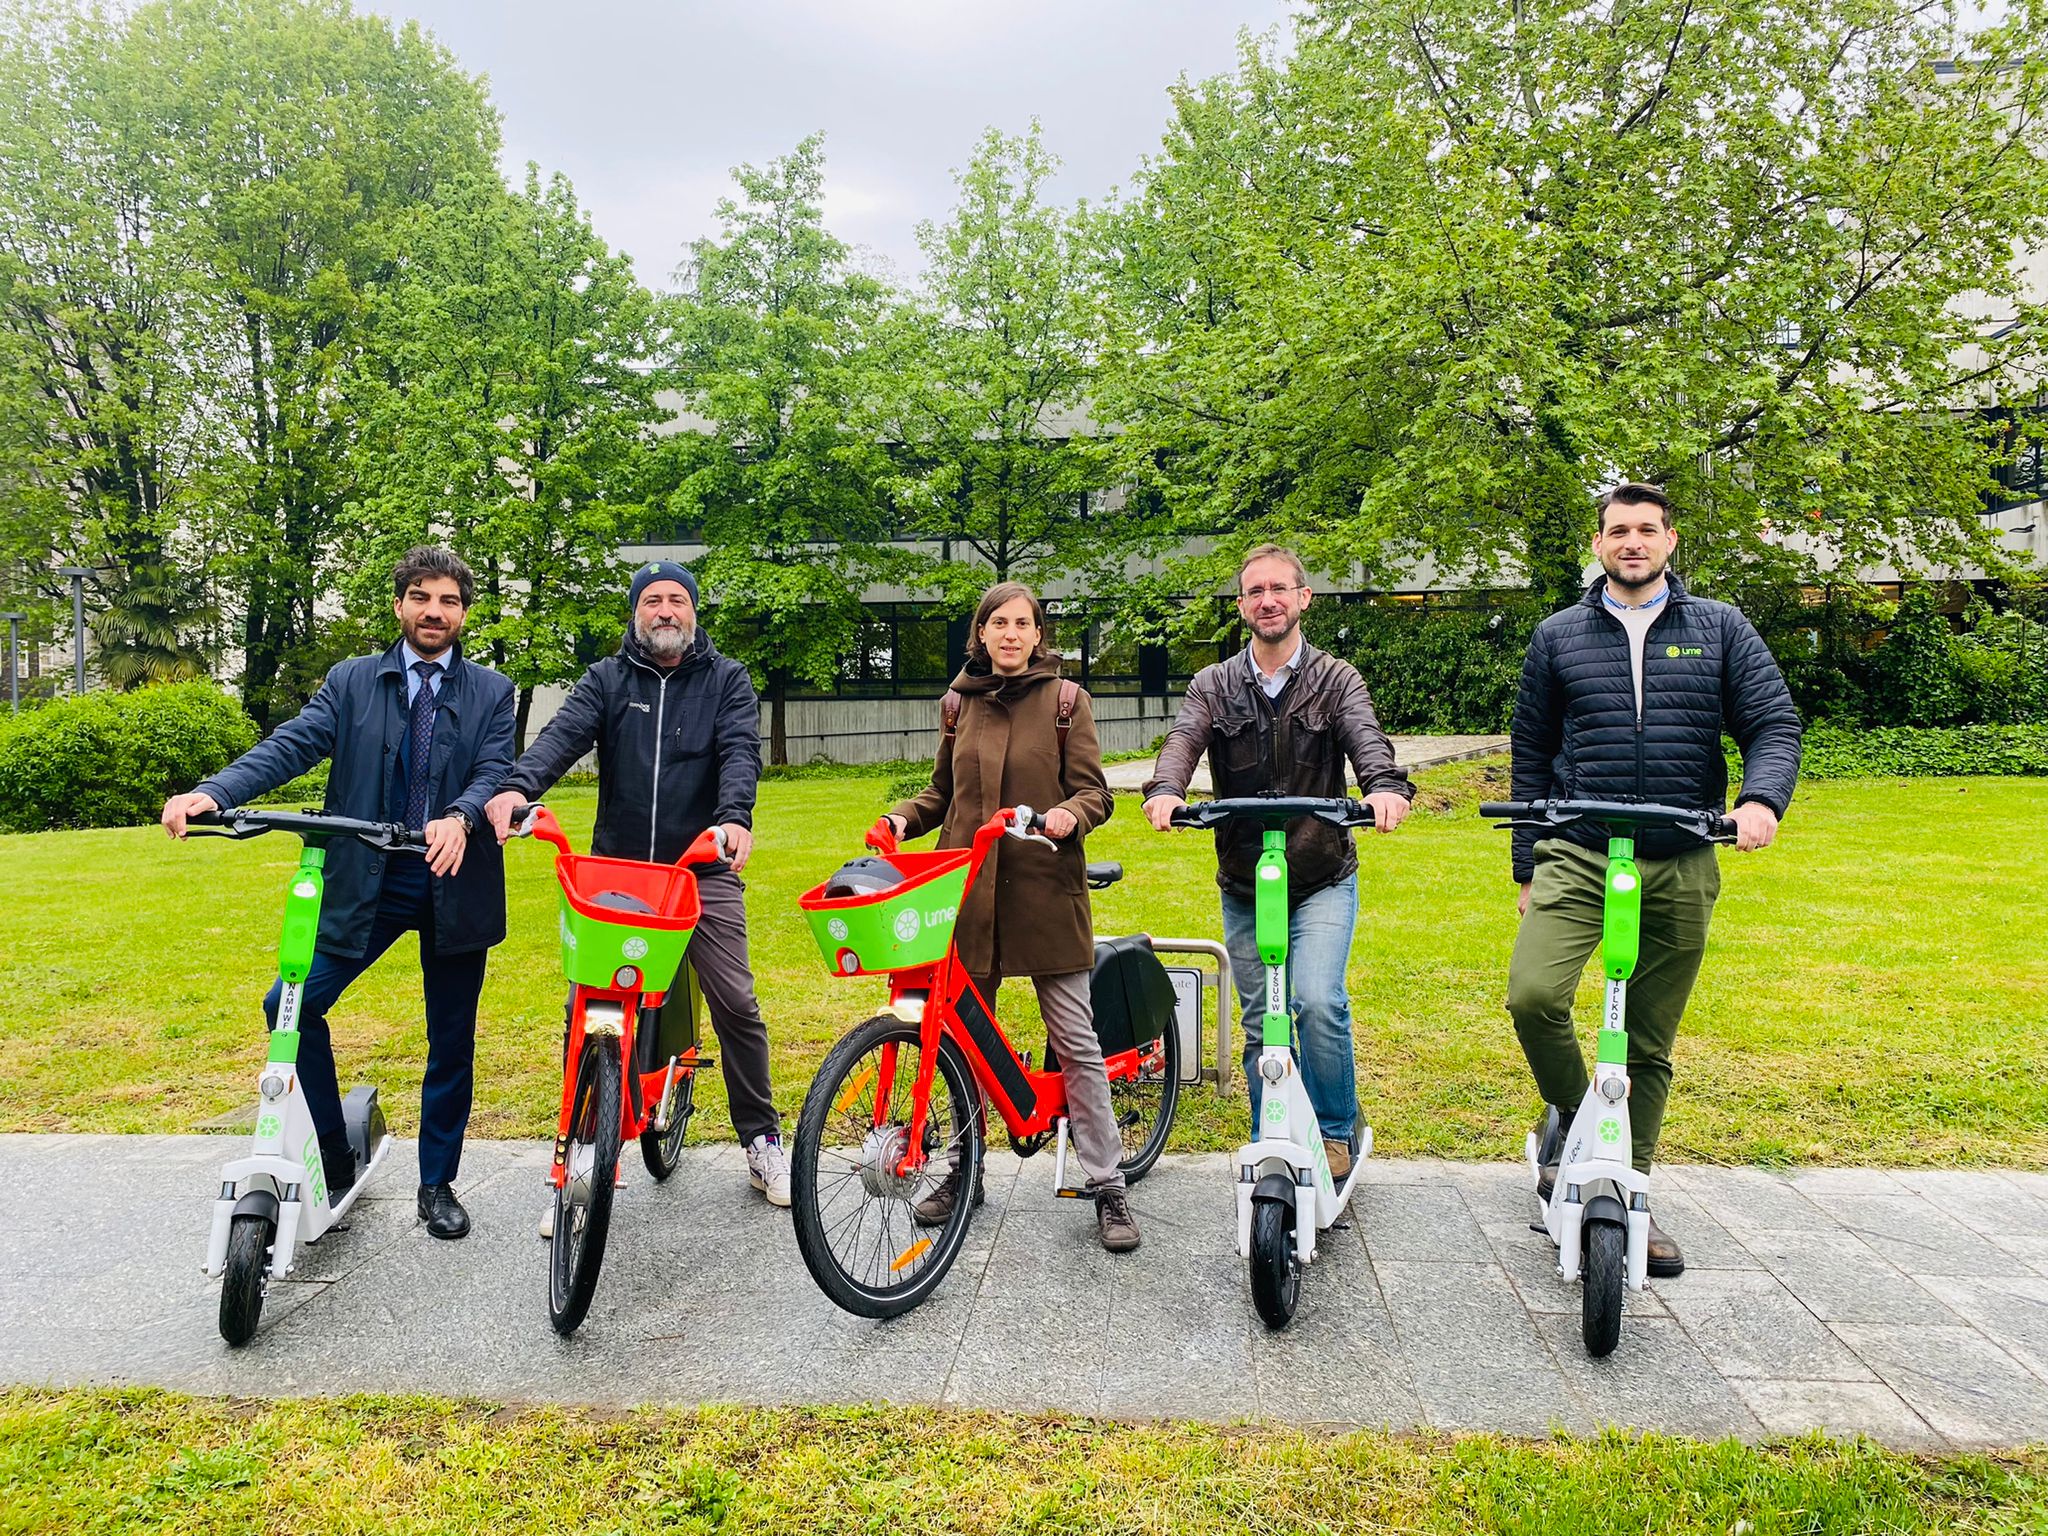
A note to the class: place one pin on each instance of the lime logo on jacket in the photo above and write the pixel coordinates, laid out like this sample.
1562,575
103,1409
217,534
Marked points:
1685,650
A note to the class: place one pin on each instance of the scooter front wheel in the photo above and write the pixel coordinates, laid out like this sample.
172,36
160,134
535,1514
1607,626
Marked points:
1605,1270
1276,1266
242,1281
583,1205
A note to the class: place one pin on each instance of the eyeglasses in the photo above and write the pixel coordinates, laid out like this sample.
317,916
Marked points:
1260,594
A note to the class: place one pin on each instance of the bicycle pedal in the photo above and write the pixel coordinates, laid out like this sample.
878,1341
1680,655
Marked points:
1074,1194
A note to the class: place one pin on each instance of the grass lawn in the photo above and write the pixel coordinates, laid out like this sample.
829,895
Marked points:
79,1462
1876,990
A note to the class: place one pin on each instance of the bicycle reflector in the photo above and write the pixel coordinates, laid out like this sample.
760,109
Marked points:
626,978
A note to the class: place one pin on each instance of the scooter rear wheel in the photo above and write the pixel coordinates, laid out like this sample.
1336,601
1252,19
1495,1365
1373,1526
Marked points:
1605,1271
242,1281
1276,1267
583,1205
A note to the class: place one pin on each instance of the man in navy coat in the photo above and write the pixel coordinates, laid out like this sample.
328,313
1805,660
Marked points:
420,736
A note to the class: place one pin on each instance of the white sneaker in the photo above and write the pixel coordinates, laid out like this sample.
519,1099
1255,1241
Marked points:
547,1223
768,1168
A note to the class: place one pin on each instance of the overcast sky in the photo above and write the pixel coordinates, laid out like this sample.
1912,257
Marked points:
647,104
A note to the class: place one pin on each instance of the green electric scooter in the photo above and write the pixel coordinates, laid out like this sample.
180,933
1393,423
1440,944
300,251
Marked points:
1285,1192
275,1196
1598,1213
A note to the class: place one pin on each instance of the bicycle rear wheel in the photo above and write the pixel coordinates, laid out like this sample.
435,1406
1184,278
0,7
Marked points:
583,1205
854,1214
1145,1104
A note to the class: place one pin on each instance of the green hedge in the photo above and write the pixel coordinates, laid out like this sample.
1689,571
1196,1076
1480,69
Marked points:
1833,752
112,759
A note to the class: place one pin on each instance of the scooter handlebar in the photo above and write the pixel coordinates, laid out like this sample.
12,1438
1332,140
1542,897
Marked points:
243,822
1275,811
1708,826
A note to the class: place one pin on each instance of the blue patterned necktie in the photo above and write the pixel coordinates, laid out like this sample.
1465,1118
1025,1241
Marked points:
420,743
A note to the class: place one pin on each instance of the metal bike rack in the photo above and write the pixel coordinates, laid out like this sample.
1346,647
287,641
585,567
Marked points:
1188,982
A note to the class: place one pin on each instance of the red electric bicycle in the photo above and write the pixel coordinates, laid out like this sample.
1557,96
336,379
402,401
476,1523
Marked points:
901,1101
624,926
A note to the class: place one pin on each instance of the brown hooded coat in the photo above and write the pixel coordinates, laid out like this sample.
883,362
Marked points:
1027,913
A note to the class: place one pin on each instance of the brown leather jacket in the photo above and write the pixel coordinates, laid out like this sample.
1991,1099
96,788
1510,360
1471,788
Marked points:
1295,745
1028,912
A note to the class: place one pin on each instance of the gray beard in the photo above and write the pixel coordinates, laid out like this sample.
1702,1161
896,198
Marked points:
664,645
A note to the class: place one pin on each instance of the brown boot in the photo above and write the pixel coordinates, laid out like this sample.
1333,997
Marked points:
936,1208
1339,1154
1113,1218
1666,1260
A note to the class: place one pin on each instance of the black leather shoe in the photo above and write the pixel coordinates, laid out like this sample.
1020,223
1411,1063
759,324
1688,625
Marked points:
338,1163
442,1212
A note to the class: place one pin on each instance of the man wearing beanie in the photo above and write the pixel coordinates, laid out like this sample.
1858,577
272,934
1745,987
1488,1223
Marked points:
677,729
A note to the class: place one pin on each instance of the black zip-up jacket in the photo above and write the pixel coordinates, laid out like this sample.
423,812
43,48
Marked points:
1576,733
677,750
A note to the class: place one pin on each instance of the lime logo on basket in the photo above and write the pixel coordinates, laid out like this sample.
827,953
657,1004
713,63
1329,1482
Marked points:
1610,1131
634,948
907,924
1684,650
837,927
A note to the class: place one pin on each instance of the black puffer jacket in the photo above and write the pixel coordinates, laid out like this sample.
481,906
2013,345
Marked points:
677,750
1705,671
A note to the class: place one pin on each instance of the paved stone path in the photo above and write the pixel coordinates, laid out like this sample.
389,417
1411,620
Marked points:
1910,1306
1411,752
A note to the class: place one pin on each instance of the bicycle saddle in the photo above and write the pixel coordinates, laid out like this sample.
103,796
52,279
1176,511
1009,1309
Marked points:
864,876
619,901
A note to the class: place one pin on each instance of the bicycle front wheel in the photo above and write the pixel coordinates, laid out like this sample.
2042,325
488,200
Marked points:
583,1205
877,1241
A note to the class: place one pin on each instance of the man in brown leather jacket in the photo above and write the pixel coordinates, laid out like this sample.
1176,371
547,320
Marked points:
1283,716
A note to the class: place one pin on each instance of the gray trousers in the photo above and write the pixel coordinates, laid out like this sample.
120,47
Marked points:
1068,1008
718,955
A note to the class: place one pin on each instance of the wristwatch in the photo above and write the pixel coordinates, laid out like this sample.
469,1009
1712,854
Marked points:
468,826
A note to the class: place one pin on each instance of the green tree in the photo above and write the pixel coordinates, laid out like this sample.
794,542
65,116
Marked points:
301,138
991,374
1423,286
101,432
508,416
145,632
772,349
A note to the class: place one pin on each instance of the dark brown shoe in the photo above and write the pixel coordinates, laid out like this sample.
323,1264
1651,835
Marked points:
1666,1260
936,1208
1113,1219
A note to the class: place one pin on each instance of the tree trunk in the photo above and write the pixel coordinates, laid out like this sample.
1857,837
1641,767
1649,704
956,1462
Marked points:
778,726
519,719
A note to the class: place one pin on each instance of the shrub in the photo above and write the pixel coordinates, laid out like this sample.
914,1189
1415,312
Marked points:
112,759
1833,752
1437,670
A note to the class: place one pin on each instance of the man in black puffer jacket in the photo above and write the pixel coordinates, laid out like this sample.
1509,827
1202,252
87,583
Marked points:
677,729
1625,696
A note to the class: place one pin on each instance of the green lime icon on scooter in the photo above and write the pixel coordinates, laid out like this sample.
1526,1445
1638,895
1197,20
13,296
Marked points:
274,1197
1598,1212
1285,1194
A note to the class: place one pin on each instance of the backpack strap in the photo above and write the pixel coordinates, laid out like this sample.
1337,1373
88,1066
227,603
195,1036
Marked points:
1070,700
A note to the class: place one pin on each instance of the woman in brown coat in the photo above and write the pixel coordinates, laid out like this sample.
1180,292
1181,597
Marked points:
1027,913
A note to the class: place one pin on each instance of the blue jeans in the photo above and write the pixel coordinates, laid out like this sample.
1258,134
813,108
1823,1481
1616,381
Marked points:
452,984
1318,949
